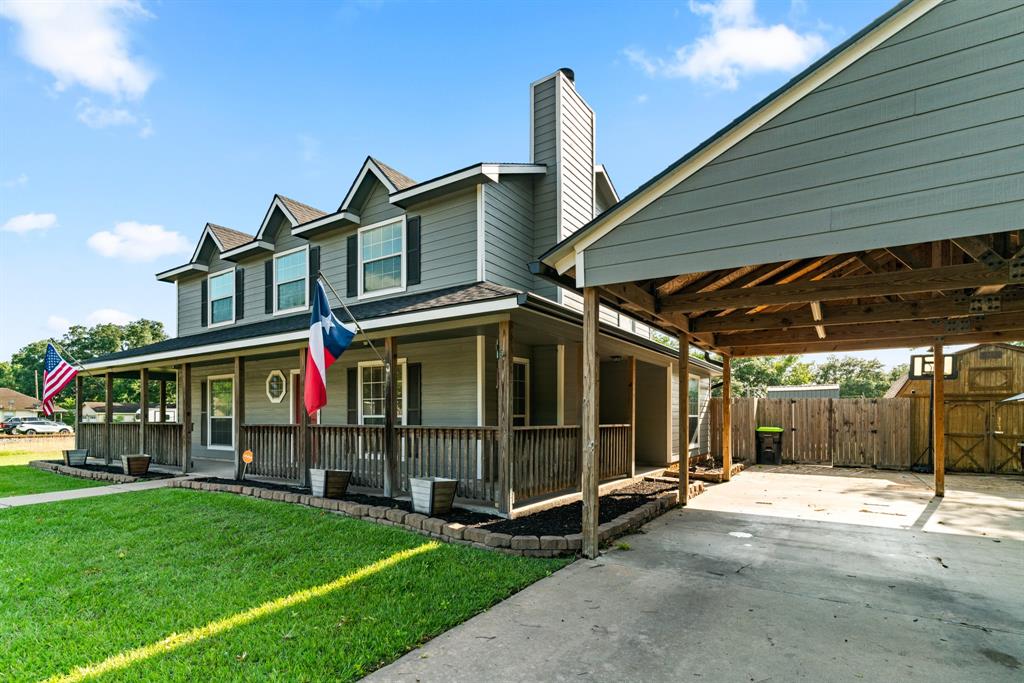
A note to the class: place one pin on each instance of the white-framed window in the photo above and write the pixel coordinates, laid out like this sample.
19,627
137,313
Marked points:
291,280
520,392
371,392
277,386
221,292
382,258
221,412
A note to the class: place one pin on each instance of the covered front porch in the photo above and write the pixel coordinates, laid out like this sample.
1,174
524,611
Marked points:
489,401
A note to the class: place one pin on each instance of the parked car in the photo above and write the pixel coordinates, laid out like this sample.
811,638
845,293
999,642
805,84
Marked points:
38,425
8,424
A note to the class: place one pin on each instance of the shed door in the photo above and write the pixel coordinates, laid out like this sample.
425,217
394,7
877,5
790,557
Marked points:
1007,432
967,435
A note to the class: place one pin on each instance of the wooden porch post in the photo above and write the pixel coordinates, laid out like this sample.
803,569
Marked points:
143,408
184,393
939,420
684,420
238,414
589,429
726,418
631,398
506,479
109,416
163,400
302,442
392,484
78,410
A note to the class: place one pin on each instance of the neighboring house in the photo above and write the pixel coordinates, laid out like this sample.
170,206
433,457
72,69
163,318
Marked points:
804,391
437,273
95,411
983,431
16,404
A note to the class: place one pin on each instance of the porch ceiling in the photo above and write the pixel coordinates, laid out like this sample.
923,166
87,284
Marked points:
964,290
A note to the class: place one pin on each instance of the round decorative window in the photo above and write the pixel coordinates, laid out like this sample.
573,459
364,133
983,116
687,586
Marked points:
277,386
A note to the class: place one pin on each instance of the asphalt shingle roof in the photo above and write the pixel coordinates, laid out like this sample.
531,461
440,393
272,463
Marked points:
438,298
303,213
398,179
229,237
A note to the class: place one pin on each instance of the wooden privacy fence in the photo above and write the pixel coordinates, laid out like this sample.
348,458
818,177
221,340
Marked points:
853,432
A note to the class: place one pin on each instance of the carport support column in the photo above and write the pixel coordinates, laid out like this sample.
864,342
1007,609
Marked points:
108,414
939,421
726,418
589,423
143,408
184,401
506,483
631,398
684,420
238,414
392,483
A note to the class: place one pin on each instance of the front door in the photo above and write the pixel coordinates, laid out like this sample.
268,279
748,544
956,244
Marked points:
221,412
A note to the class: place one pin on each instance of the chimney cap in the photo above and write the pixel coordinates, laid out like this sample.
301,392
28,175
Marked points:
569,73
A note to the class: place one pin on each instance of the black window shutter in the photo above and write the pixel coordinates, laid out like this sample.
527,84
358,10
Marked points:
414,397
239,293
412,253
202,412
204,301
268,286
352,392
314,268
352,251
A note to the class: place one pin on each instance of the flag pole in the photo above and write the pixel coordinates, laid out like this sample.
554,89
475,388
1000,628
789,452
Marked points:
320,276
81,367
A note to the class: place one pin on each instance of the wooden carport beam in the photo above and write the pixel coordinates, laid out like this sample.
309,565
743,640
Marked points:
818,317
903,282
857,314
830,345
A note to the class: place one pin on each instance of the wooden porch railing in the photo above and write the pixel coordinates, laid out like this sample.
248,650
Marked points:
358,448
546,459
163,442
469,454
91,435
615,451
274,450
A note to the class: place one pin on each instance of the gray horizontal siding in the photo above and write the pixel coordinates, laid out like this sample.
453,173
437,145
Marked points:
545,189
920,139
508,238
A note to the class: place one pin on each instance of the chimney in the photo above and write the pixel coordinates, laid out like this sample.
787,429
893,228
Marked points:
562,138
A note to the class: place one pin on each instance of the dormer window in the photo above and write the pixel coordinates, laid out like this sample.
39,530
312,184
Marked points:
291,280
382,258
222,298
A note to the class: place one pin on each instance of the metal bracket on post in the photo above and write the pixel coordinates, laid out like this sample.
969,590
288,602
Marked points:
988,303
959,325
992,259
1017,270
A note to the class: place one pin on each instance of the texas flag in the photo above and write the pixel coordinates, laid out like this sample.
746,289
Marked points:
328,339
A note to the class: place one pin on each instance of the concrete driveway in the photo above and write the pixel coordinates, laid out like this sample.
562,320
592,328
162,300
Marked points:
784,574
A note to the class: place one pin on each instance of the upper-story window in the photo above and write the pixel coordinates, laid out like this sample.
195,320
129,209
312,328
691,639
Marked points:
222,298
290,280
382,257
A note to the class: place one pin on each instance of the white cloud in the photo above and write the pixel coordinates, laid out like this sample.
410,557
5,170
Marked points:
84,43
57,324
27,222
103,117
134,241
737,44
20,181
109,315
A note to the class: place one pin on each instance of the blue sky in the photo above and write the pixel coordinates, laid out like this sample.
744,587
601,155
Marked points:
126,126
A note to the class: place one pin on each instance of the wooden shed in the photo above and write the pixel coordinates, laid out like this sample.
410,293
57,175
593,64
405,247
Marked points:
982,432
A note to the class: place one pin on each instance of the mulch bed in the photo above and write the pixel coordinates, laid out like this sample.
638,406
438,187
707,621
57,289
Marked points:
556,521
115,469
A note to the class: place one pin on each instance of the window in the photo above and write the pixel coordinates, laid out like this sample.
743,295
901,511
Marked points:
290,282
381,256
371,391
221,412
694,410
277,387
520,392
222,298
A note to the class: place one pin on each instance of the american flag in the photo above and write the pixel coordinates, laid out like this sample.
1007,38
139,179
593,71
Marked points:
57,372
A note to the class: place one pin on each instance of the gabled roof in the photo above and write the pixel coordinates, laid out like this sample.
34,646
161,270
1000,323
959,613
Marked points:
562,255
399,180
21,401
295,212
460,179
302,213
392,180
228,238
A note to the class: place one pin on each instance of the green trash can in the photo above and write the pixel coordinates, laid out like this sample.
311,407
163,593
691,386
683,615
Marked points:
769,445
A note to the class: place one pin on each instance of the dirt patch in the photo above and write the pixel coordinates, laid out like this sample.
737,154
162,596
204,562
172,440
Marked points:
113,469
556,521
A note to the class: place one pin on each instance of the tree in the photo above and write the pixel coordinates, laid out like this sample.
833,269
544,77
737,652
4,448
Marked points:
6,374
751,376
856,377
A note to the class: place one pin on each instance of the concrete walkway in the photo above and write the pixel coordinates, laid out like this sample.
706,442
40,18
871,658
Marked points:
74,494
754,583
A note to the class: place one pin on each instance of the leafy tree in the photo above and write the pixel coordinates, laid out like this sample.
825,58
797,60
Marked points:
6,374
856,377
750,376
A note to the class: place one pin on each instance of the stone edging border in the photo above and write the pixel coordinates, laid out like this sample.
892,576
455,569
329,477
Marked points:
83,474
453,532
717,477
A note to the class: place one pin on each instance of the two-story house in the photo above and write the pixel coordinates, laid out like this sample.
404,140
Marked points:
487,355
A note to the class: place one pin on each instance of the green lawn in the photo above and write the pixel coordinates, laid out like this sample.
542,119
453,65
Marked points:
84,581
17,478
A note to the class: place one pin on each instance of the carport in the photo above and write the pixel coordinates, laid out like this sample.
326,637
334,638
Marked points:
875,201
